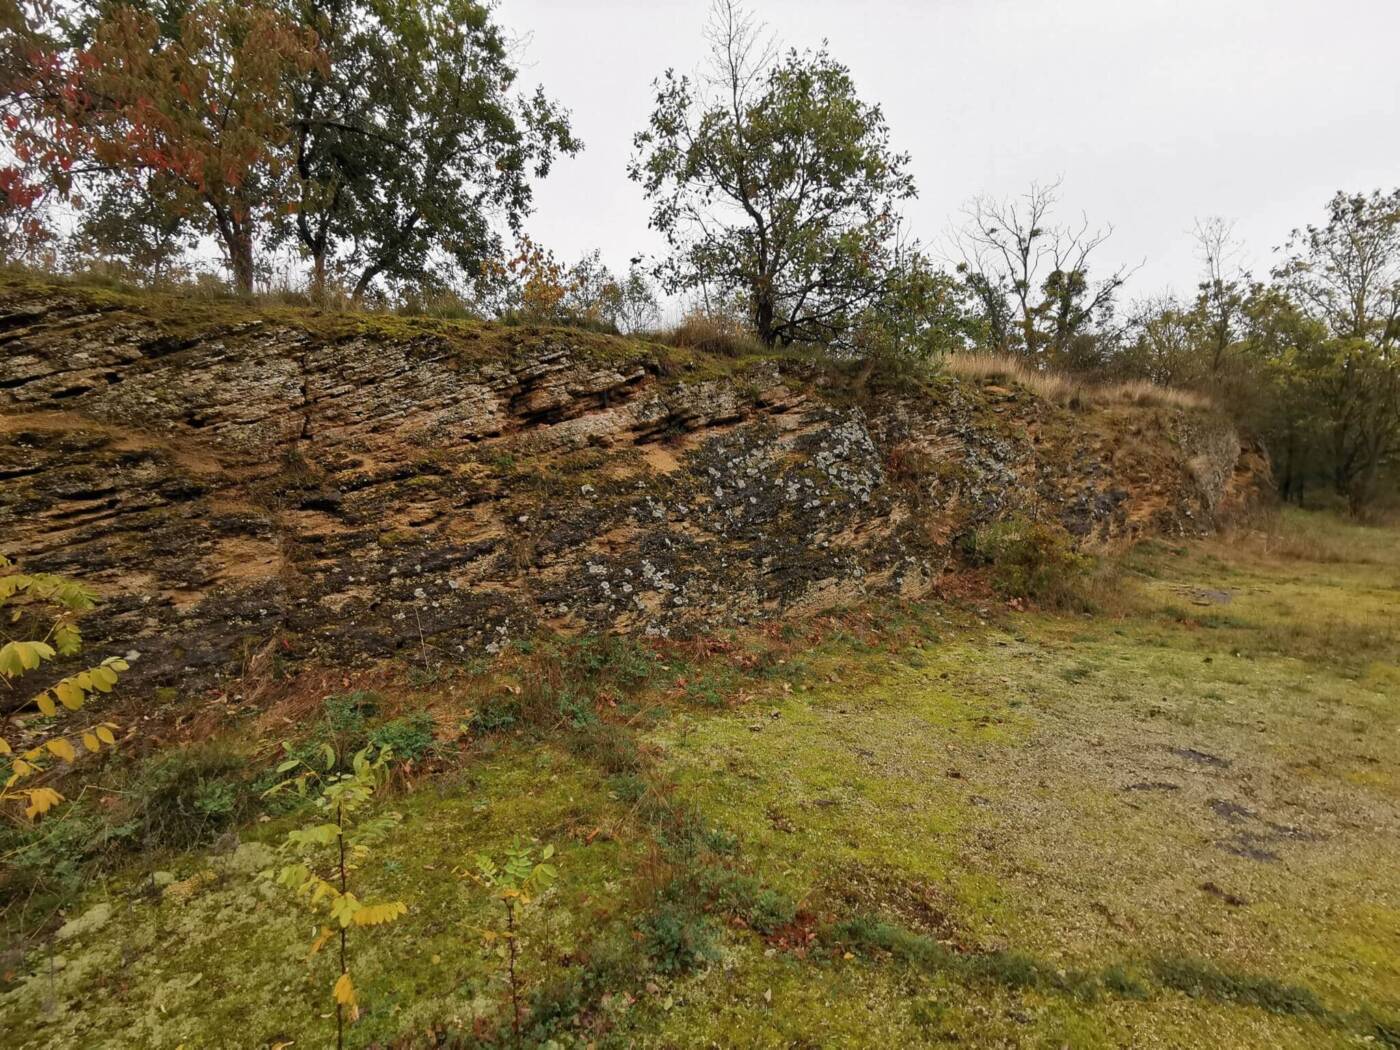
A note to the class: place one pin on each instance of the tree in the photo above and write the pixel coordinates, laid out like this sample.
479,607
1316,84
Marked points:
771,178
140,236
1032,277
921,312
1221,296
594,296
1346,275
25,40
1162,344
1283,366
187,100
410,138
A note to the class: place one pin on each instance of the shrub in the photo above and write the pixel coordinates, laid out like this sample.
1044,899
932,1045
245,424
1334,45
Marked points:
1027,559
346,729
678,941
770,911
185,798
408,738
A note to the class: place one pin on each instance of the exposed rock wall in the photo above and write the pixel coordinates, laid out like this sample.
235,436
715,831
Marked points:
344,487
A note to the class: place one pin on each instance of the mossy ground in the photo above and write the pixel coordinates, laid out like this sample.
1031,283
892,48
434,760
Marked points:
1175,822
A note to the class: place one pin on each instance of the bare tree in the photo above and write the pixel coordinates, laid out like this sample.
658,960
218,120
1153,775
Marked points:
1032,276
1223,288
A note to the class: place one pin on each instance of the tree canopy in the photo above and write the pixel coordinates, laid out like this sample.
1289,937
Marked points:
770,177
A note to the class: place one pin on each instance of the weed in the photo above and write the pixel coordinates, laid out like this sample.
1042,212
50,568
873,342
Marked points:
712,333
1068,390
678,941
189,796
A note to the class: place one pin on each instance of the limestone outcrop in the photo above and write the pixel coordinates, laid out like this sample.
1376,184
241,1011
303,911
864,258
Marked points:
238,480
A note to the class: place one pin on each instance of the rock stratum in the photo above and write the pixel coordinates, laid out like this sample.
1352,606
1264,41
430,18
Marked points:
236,479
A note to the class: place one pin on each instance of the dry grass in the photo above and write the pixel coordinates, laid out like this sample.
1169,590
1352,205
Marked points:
1068,390
711,333
1322,537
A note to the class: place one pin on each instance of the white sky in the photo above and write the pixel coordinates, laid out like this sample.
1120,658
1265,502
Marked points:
1154,112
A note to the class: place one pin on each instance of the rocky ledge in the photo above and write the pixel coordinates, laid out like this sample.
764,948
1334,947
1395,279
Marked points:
240,481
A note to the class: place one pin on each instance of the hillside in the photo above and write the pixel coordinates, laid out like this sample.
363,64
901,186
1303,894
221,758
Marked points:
345,487
719,635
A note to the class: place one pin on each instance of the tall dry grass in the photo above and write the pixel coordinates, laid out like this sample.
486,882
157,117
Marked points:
1068,390
711,333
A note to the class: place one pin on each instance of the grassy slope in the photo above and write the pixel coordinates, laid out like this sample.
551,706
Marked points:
1045,795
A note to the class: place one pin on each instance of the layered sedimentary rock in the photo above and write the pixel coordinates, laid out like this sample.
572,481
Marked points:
337,488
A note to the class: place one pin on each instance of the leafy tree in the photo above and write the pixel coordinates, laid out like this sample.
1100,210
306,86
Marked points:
595,296
184,101
1285,359
25,38
1162,344
922,311
1346,274
1223,291
326,853
771,178
137,235
634,307
410,137
1031,277
41,612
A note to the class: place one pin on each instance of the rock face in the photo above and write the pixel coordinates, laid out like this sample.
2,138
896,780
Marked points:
338,488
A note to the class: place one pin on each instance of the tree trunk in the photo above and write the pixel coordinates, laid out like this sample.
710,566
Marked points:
318,274
763,320
242,259
1362,489
366,279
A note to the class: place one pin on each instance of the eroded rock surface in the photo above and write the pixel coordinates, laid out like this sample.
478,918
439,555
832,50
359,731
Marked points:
240,482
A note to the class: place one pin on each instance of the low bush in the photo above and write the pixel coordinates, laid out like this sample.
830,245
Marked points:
677,940
1028,559
408,739
187,797
45,861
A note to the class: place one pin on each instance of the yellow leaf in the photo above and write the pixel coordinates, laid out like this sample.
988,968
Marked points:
105,735
377,914
4,747
345,991
69,695
41,800
46,704
62,748
90,742
320,942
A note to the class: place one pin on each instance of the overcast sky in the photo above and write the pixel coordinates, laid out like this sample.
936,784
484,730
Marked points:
1154,112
